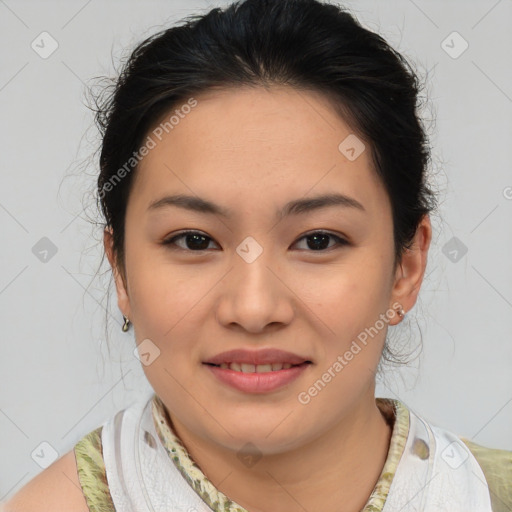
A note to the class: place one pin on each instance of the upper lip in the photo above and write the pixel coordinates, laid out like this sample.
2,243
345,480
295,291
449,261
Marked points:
262,356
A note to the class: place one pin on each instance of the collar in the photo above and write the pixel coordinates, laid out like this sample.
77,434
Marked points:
395,412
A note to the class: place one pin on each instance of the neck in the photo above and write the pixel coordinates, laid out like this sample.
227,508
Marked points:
336,471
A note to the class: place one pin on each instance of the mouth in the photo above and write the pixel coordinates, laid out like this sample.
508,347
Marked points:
260,378
257,368
263,360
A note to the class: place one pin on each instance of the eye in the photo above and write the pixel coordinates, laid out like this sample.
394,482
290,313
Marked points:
195,241
319,239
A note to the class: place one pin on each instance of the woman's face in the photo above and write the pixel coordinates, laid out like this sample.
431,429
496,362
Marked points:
257,277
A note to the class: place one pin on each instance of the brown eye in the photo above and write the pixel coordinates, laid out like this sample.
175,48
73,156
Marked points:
319,240
195,241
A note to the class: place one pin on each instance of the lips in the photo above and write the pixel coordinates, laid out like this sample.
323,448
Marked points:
257,357
260,381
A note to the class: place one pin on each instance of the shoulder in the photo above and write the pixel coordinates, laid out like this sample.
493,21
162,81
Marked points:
497,467
92,472
76,482
56,488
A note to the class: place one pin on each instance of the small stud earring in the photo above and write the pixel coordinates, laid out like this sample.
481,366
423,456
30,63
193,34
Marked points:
126,324
401,313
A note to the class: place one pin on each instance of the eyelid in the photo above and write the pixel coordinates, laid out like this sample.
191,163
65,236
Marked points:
170,240
342,240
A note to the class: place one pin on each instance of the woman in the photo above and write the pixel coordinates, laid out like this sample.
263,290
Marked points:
263,182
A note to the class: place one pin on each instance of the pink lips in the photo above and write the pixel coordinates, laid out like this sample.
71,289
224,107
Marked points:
261,356
257,382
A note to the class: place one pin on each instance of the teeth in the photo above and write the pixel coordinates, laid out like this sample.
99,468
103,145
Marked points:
258,368
262,368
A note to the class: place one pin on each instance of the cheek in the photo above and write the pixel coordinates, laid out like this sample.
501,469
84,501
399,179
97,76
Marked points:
161,293
350,303
358,286
169,308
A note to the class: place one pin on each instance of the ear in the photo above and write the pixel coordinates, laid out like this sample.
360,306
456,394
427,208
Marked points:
411,269
123,301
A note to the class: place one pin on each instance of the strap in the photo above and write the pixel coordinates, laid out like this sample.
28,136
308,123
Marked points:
437,473
497,467
141,476
91,472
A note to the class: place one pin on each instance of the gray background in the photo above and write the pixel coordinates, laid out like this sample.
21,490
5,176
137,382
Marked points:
58,379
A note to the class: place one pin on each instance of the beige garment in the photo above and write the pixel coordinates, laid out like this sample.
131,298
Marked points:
496,464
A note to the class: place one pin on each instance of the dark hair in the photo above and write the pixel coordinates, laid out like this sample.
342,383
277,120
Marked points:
306,44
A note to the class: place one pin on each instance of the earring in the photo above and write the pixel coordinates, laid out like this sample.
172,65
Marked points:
401,313
126,324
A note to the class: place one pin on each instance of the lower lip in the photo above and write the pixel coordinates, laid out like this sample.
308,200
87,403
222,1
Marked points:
258,382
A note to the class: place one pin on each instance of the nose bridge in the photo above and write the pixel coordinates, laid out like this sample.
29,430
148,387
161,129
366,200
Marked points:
252,263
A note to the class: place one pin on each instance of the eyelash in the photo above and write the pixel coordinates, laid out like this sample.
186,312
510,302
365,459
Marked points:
170,242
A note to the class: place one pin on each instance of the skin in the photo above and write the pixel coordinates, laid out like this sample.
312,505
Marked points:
252,150
55,488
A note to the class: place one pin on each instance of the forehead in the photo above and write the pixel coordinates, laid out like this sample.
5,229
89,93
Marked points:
254,143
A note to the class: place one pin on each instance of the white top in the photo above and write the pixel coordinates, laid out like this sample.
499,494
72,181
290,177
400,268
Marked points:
142,477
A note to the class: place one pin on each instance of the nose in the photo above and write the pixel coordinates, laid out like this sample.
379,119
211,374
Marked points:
255,296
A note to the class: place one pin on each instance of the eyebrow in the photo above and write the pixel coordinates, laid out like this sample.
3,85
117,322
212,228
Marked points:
294,207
